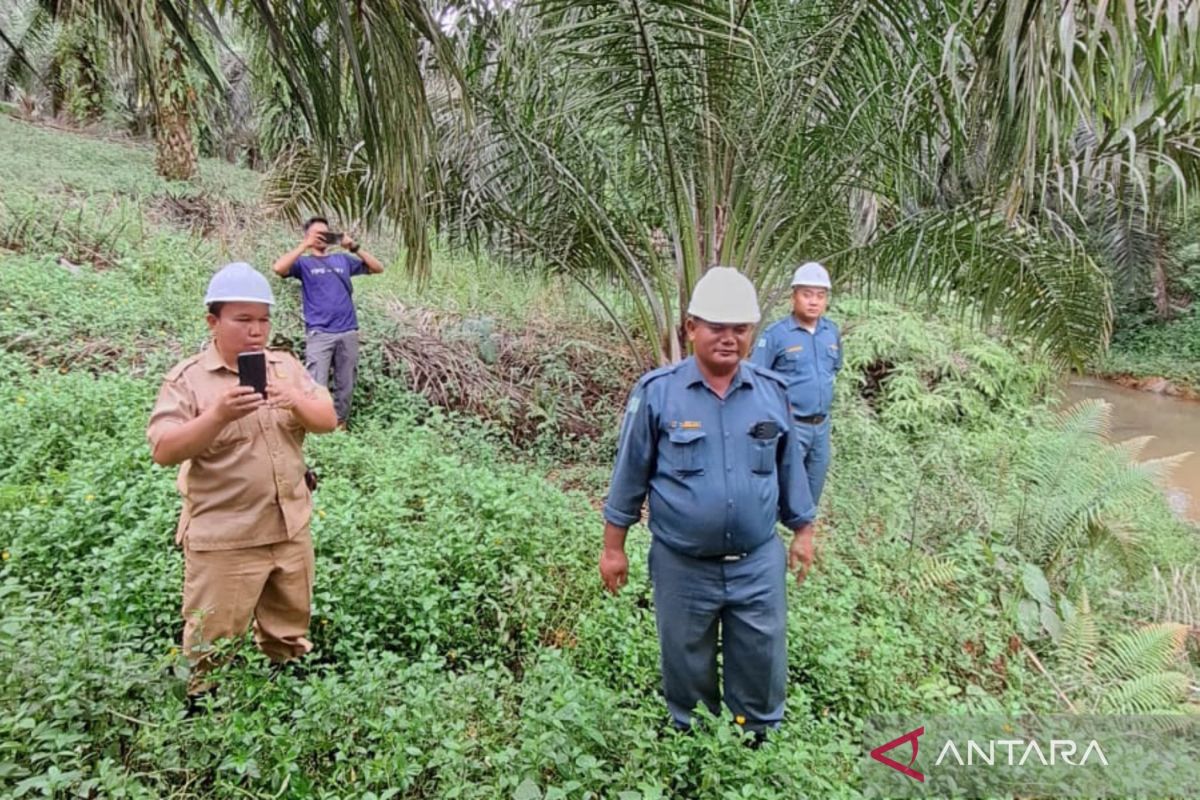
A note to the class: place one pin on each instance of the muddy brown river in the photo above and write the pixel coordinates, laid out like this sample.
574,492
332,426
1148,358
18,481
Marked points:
1174,424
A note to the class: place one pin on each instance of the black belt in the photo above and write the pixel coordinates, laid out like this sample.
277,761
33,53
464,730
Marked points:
815,419
725,557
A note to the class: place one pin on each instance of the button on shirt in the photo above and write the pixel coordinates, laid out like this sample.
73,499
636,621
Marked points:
247,489
714,488
809,362
326,292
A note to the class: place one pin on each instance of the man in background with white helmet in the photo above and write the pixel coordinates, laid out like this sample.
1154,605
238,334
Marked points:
710,440
806,348
244,526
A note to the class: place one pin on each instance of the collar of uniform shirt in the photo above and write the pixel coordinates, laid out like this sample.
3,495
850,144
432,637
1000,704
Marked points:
796,326
691,372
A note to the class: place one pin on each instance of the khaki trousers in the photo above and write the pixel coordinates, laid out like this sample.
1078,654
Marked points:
222,589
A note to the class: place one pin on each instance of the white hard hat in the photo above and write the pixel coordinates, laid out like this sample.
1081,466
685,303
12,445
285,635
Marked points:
725,296
239,283
811,274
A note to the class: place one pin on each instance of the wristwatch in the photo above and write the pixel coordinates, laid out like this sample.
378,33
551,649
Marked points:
354,247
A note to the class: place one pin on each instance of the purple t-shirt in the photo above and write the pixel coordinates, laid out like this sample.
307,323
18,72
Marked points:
326,291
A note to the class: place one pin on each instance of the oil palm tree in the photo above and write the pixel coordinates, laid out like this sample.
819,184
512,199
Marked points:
646,142
155,41
1085,114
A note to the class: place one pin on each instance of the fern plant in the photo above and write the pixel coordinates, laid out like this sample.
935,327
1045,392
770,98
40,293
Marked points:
1082,493
1141,671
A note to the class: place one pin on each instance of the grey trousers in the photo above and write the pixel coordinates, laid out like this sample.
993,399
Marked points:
335,353
745,602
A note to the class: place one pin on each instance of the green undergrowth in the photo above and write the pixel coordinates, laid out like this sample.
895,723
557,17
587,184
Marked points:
1169,350
463,647
1145,346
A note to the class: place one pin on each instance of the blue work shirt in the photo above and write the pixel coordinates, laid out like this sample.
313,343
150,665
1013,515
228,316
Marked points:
326,292
714,488
808,361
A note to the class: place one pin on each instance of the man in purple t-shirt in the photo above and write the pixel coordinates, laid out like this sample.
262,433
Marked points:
331,324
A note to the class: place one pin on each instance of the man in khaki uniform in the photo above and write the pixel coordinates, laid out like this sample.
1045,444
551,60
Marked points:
244,527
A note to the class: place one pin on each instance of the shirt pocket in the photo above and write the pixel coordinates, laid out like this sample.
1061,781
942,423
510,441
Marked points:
231,435
762,455
798,366
829,356
685,451
790,362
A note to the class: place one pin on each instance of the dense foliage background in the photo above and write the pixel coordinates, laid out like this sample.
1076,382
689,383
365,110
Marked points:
980,551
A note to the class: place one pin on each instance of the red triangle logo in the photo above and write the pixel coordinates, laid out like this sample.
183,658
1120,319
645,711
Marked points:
911,737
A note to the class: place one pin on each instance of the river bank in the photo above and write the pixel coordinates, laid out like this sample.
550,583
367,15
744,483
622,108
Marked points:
1153,384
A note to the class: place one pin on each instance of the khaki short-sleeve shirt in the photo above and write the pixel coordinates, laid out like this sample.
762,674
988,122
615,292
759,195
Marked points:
247,489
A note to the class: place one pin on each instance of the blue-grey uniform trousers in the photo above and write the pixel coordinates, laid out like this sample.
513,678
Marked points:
335,353
813,441
746,601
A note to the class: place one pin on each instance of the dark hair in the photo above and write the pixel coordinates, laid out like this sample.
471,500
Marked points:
215,308
308,223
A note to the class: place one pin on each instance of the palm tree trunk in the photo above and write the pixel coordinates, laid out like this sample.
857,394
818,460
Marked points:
175,147
175,157
1162,300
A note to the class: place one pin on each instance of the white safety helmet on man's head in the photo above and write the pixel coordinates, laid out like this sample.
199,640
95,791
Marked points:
725,296
239,283
811,274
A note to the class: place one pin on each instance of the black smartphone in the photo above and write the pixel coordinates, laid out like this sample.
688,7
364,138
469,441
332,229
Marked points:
330,237
252,371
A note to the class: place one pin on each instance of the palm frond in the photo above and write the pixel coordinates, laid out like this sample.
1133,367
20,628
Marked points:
17,65
1177,595
1090,92
357,73
971,261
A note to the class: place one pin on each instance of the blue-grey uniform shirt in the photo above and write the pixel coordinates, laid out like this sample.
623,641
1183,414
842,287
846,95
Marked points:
714,488
809,362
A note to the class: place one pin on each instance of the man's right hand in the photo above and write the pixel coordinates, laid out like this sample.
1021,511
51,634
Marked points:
614,569
237,403
312,238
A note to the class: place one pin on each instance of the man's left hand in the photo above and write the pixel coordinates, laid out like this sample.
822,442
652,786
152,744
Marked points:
800,554
347,242
282,395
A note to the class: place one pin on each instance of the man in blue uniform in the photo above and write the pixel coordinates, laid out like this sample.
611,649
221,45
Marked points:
710,440
806,348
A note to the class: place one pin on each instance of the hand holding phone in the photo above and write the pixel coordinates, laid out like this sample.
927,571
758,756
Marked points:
236,403
252,371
